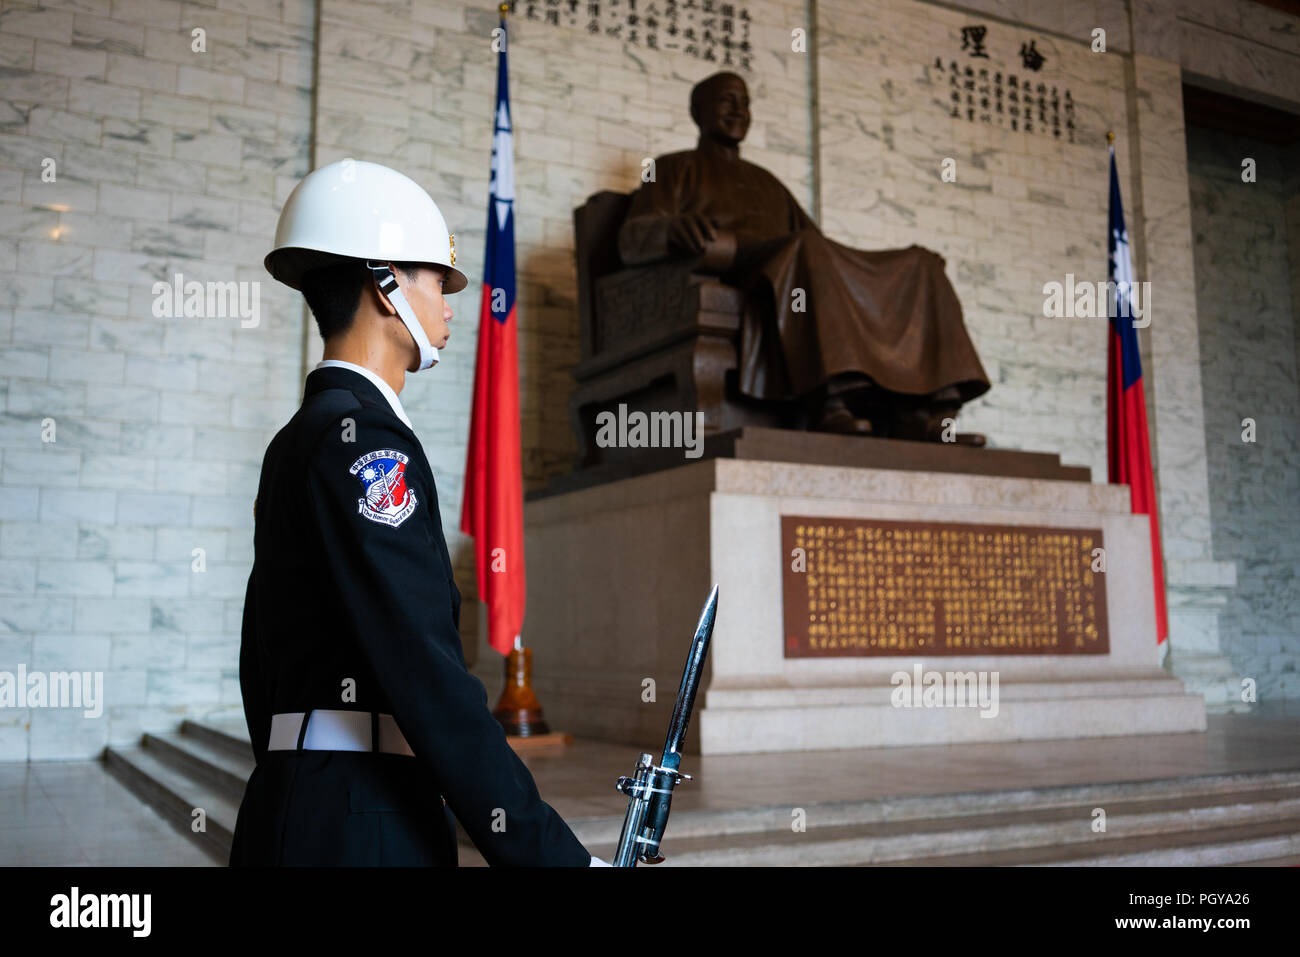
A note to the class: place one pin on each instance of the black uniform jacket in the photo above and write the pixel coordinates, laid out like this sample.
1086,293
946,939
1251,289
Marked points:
351,606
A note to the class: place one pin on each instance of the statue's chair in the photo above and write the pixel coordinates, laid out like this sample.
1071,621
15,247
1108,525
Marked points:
658,337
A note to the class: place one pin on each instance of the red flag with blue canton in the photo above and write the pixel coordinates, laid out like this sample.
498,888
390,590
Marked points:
1128,446
493,507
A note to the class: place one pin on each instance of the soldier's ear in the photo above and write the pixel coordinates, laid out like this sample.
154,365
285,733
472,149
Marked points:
384,305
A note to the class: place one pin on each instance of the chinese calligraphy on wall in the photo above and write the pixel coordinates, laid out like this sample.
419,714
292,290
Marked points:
981,92
877,588
708,30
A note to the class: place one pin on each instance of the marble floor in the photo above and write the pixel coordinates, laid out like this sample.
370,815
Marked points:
75,813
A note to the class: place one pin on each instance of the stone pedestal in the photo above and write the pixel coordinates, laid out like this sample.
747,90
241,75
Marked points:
618,572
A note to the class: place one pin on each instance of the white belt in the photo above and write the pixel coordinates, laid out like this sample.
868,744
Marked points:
337,731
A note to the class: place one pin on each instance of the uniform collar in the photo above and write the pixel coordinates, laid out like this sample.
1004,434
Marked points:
383,387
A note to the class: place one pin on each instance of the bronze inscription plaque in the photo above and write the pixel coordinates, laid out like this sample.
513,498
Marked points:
862,587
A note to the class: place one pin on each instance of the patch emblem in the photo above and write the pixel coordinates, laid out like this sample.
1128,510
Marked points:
383,476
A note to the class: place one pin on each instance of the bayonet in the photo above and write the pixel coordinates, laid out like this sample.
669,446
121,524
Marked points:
650,788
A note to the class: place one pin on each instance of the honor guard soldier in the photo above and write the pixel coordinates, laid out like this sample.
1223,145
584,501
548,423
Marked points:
368,730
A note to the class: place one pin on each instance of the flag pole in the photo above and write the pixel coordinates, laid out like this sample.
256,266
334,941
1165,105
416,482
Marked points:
518,710
1128,443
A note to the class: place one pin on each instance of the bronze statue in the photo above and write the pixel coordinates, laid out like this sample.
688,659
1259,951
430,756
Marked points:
873,341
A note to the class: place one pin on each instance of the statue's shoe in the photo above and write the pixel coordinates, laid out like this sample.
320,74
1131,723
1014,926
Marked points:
844,422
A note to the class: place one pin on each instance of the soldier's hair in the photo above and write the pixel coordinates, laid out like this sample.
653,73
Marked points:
333,292
704,89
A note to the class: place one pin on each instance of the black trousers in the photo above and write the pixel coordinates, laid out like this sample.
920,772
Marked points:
342,808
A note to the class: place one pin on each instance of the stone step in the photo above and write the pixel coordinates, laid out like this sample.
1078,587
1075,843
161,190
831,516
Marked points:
1274,843
215,765
227,735
1049,830
174,794
703,823
1291,860
1223,848
206,763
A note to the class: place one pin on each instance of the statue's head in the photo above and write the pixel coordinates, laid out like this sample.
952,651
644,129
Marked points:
720,107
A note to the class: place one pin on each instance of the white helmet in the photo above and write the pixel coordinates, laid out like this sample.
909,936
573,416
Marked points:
364,211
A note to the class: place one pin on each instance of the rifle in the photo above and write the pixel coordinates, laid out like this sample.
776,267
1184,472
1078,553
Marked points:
650,788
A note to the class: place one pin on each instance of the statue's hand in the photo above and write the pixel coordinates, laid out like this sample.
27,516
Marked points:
694,234
691,232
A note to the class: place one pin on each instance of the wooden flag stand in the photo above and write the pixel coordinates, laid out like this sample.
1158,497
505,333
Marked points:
520,713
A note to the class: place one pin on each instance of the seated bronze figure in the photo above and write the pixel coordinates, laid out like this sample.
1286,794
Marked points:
872,342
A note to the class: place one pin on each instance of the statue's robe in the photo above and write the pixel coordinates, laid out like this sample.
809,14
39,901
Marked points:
891,315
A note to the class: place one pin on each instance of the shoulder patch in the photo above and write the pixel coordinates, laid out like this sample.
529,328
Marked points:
386,498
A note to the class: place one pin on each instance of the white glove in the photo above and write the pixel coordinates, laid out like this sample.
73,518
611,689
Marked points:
597,862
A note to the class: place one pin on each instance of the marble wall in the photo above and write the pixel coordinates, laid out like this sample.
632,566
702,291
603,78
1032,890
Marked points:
1248,329
166,159
1022,208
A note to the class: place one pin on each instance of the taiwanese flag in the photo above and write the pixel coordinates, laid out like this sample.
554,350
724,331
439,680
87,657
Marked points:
1128,448
493,507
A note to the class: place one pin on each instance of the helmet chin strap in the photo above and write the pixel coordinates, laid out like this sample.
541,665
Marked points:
387,281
